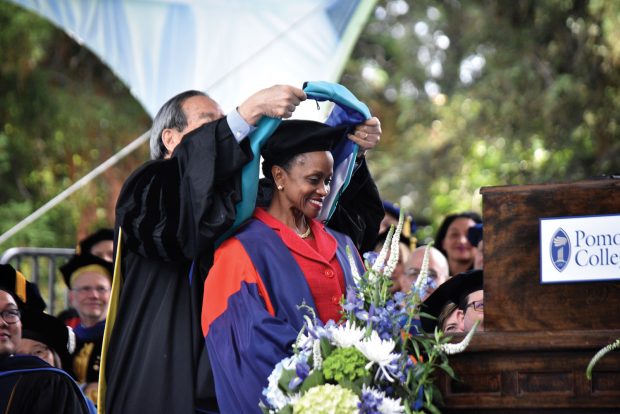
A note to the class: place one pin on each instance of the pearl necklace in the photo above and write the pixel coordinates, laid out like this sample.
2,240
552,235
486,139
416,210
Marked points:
305,234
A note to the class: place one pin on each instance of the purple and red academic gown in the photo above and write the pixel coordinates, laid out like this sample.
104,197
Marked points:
250,315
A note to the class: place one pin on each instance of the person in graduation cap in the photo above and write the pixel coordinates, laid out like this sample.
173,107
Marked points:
169,215
89,279
281,258
464,290
28,384
48,338
100,244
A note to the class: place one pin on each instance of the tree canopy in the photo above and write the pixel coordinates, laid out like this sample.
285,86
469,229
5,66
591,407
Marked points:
470,94
62,113
487,93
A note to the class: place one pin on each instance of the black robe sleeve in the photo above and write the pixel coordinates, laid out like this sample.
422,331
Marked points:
174,209
359,211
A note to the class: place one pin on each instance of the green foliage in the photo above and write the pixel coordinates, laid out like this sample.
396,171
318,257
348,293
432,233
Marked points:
344,364
484,93
470,94
62,113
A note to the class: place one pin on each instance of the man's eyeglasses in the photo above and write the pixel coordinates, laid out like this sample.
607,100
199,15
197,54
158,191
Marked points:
414,272
11,316
90,289
478,305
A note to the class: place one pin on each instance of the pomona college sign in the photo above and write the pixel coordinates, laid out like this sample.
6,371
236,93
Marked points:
580,249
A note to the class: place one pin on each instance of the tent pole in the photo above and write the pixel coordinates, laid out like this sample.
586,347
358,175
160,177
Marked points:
76,186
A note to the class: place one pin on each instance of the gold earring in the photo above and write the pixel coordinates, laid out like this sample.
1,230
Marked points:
280,187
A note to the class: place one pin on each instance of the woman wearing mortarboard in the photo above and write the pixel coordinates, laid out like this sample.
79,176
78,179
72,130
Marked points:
279,259
28,384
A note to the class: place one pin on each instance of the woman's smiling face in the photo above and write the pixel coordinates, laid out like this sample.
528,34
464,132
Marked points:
456,244
307,182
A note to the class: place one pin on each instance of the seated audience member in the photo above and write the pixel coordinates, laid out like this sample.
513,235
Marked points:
451,240
28,384
464,289
89,279
450,318
472,306
438,271
46,337
100,244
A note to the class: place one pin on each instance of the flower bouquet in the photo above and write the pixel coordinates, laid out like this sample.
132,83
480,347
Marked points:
375,360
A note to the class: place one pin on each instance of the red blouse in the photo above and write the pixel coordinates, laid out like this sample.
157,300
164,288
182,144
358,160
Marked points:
317,259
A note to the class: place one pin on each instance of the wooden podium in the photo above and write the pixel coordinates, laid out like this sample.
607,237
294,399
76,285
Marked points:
539,338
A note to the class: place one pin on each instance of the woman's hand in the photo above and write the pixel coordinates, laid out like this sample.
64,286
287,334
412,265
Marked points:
367,135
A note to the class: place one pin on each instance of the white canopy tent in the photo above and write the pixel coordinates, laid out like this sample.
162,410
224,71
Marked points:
228,49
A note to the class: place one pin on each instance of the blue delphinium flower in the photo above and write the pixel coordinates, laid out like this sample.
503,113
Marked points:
370,402
428,285
404,366
399,296
302,369
419,401
316,329
353,303
371,257
384,323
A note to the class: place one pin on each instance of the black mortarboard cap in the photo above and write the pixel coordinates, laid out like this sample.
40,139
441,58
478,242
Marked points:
300,136
391,209
394,211
51,331
86,244
79,261
452,290
26,293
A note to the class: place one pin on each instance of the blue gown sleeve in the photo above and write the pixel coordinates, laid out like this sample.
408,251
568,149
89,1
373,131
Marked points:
243,338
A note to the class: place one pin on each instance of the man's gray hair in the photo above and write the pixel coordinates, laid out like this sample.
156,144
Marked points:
170,115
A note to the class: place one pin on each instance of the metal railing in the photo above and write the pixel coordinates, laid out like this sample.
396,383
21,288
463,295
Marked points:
40,265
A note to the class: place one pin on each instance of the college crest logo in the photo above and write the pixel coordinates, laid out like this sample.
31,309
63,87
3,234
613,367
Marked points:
560,249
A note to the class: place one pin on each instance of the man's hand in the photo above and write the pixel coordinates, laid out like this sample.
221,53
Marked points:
367,135
278,101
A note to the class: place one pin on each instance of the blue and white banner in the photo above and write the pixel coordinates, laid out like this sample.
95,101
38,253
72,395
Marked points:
580,249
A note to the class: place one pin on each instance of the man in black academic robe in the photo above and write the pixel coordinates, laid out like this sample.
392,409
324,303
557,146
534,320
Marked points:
168,216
